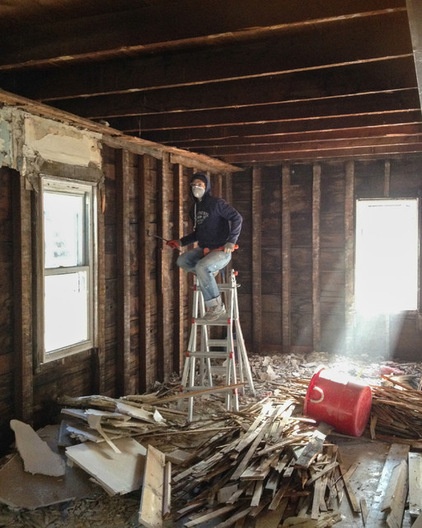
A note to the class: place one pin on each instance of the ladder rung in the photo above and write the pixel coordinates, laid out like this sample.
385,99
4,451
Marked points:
210,354
216,322
218,342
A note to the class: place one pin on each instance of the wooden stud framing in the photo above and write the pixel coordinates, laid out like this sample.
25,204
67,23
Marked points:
123,267
22,280
165,347
98,353
285,258
349,253
387,178
256,260
179,337
316,255
144,288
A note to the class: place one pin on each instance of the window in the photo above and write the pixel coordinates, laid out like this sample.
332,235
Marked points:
67,260
387,255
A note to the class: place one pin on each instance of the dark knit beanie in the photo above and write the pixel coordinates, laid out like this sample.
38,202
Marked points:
200,176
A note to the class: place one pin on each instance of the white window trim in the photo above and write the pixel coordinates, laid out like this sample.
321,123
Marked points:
60,184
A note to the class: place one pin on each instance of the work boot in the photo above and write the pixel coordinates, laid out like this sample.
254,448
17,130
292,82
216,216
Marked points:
216,310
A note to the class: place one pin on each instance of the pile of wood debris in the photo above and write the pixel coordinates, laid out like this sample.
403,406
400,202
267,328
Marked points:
266,465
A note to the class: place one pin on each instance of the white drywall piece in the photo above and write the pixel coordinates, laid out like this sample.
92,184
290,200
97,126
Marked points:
36,454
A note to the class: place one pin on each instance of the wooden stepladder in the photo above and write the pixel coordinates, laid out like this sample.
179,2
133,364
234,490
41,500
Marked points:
208,356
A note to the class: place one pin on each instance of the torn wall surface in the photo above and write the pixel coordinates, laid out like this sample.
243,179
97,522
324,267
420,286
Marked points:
27,142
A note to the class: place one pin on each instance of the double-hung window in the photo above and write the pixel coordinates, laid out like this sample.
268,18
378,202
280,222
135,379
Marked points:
67,264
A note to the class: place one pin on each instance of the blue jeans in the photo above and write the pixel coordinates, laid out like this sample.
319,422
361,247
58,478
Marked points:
204,267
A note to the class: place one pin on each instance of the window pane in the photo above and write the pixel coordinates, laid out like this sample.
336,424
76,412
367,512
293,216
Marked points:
63,229
387,255
66,310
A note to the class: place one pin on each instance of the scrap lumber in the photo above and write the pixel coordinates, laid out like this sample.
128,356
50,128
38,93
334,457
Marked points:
152,497
350,493
314,446
397,411
418,522
94,421
397,502
415,484
214,514
272,518
376,517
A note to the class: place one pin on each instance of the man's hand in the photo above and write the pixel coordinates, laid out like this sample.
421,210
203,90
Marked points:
174,244
229,247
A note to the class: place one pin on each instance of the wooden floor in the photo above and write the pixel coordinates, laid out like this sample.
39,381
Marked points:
369,457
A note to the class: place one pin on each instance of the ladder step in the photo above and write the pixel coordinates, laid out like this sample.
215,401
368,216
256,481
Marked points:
217,322
211,354
226,287
218,342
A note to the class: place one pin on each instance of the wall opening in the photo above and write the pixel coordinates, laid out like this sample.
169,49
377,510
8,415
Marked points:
387,256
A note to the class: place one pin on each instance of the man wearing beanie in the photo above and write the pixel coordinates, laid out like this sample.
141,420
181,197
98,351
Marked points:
216,228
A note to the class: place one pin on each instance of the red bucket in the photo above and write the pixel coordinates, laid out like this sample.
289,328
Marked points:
338,401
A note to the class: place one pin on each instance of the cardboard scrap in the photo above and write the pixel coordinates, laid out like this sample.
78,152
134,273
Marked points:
36,454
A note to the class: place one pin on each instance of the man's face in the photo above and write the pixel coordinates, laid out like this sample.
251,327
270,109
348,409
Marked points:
198,188
198,183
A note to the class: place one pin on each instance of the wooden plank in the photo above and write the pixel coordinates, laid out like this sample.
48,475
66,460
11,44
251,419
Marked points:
123,374
145,248
316,255
350,493
209,516
256,247
286,256
397,504
377,518
414,9
162,269
181,289
349,253
151,509
23,296
272,518
167,490
312,448
415,484
418,522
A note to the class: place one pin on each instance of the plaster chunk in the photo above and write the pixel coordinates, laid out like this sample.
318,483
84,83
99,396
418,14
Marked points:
36,454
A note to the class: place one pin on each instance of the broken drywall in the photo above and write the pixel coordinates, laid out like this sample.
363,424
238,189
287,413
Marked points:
36,454
28,141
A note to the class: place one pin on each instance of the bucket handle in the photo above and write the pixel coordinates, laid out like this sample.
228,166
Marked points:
321,397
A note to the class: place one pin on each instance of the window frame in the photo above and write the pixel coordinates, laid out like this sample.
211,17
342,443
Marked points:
417,201
89,190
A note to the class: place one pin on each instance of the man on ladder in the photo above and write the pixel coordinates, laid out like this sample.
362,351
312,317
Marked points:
216,228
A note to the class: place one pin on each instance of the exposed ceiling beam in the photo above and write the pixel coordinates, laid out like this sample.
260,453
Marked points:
289,53
133,31
383,74
414,8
